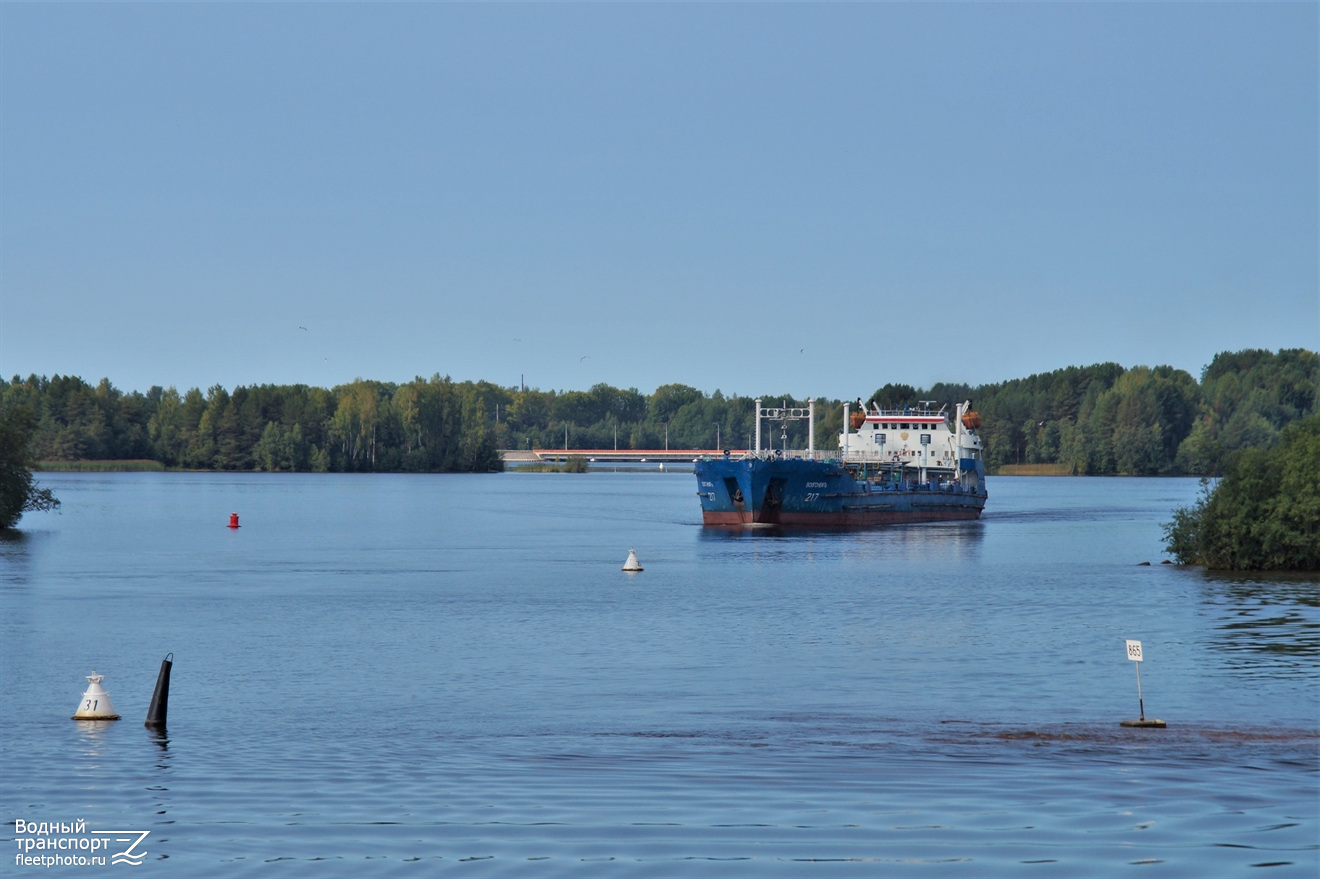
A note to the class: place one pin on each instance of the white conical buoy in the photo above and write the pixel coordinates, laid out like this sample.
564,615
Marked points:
632,564
95,704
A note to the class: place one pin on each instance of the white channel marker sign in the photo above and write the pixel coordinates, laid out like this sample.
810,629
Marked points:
1134,650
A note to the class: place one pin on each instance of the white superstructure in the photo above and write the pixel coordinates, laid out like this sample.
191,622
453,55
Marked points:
911,437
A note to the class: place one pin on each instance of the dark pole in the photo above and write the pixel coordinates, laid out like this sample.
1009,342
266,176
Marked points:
1141,703
160,699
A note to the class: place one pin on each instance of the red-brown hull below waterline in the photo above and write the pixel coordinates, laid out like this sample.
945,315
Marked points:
838,520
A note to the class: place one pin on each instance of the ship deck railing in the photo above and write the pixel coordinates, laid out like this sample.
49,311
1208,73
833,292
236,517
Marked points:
852,456
772,454
888,459
906,411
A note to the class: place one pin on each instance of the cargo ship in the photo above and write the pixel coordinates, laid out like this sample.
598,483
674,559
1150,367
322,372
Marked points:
892,466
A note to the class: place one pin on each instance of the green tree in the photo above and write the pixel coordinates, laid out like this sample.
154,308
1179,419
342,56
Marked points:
405,409
1200,452
668,399
165,428
355,422
280,449
895,396
19,493
232,449
477,452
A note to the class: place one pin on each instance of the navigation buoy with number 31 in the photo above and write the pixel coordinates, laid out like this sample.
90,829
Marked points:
95,704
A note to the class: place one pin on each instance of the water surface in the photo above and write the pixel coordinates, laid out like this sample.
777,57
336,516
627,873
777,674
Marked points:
411,675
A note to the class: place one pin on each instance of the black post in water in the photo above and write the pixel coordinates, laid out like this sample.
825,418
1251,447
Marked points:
160,699
1141,703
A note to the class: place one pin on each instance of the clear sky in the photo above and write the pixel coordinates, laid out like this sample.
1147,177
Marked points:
759,198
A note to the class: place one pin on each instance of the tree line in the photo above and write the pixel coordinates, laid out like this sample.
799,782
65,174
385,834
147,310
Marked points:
1099,419
1107,420
434,425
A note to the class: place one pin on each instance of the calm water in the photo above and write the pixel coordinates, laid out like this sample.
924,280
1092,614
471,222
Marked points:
422,675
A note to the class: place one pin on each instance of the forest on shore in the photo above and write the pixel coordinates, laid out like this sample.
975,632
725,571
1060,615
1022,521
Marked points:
1103,419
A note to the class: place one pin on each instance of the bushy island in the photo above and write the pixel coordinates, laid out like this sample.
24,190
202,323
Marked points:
1263,515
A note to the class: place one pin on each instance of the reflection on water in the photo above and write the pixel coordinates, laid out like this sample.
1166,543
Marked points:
1266,624
10,538
159,736
1299,588
909,543
159,789
14,555
93,736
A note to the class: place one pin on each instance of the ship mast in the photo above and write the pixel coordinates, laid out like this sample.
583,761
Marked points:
784,414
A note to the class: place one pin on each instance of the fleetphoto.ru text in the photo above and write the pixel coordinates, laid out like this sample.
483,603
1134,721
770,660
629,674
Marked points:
71,844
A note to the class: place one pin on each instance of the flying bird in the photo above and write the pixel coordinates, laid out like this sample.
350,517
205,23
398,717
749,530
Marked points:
304,329
583,357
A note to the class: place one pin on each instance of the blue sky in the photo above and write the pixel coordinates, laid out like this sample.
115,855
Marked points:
805,199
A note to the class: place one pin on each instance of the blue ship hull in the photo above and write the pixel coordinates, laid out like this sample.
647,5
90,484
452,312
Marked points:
802,492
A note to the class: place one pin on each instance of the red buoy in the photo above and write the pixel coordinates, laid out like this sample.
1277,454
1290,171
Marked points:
233,520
